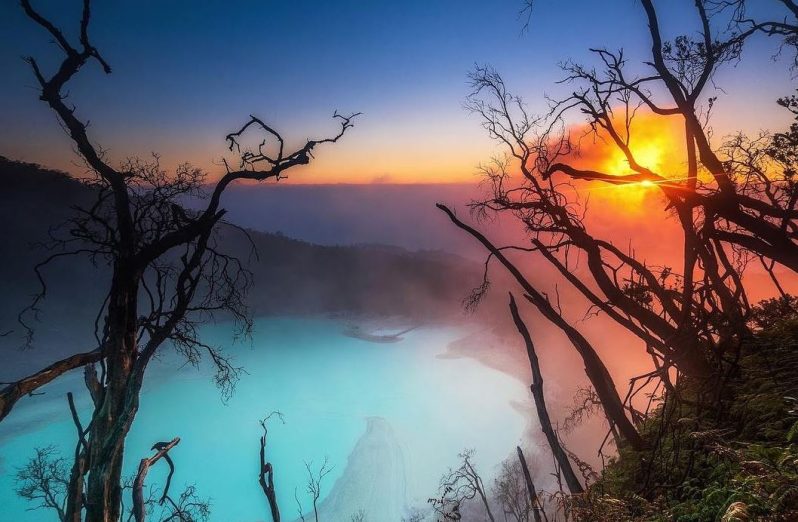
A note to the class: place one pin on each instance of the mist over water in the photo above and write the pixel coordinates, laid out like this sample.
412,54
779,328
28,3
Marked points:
421,410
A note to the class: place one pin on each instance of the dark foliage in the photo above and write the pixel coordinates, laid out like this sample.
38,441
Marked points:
737,461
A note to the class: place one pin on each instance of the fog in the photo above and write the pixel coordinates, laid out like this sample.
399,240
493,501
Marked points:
390,260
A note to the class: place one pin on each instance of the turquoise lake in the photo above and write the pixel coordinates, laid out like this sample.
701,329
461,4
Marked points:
327,386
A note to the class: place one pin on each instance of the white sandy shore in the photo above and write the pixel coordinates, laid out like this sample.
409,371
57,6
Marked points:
508,355
493,350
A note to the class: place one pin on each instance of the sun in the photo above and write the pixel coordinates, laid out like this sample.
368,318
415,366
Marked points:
656,144
649,155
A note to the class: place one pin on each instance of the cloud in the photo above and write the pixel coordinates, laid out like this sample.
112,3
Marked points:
382,178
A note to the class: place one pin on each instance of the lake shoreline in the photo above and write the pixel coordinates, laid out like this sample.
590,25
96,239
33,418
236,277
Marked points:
492,349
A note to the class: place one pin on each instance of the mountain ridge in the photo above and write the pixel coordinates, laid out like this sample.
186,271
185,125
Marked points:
291,276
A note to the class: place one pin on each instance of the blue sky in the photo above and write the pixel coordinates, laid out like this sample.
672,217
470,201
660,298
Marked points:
186,73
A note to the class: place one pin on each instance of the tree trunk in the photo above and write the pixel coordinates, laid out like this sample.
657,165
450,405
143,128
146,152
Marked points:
266,479
114,415
268,490
530,486
104,492
74,501
74,491
597,373
480,487
574,486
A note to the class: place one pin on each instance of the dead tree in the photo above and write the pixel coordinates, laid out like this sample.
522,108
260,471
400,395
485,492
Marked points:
44,480
733,212
732,204
266,474
313,485
16,390
635,295
45,477
595,369
459,485
509,493
586,403
692,319
168,276
533,494
299,511
743,26
187,507
139,509
739,206
574,486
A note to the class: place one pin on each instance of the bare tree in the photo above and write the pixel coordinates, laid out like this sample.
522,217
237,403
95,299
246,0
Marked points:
313,484
45,477
733,203
187,508
149,497
510,493
742,26
730,211
299,510
75,491
585,404
737,207
44,480
693,319
266,474
458,486
168,277
638,297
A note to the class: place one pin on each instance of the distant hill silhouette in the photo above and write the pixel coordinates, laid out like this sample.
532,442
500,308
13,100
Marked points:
290,276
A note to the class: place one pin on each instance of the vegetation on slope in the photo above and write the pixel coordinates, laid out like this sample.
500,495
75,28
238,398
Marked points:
736,461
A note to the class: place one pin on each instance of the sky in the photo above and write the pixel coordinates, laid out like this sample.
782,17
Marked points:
186,73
